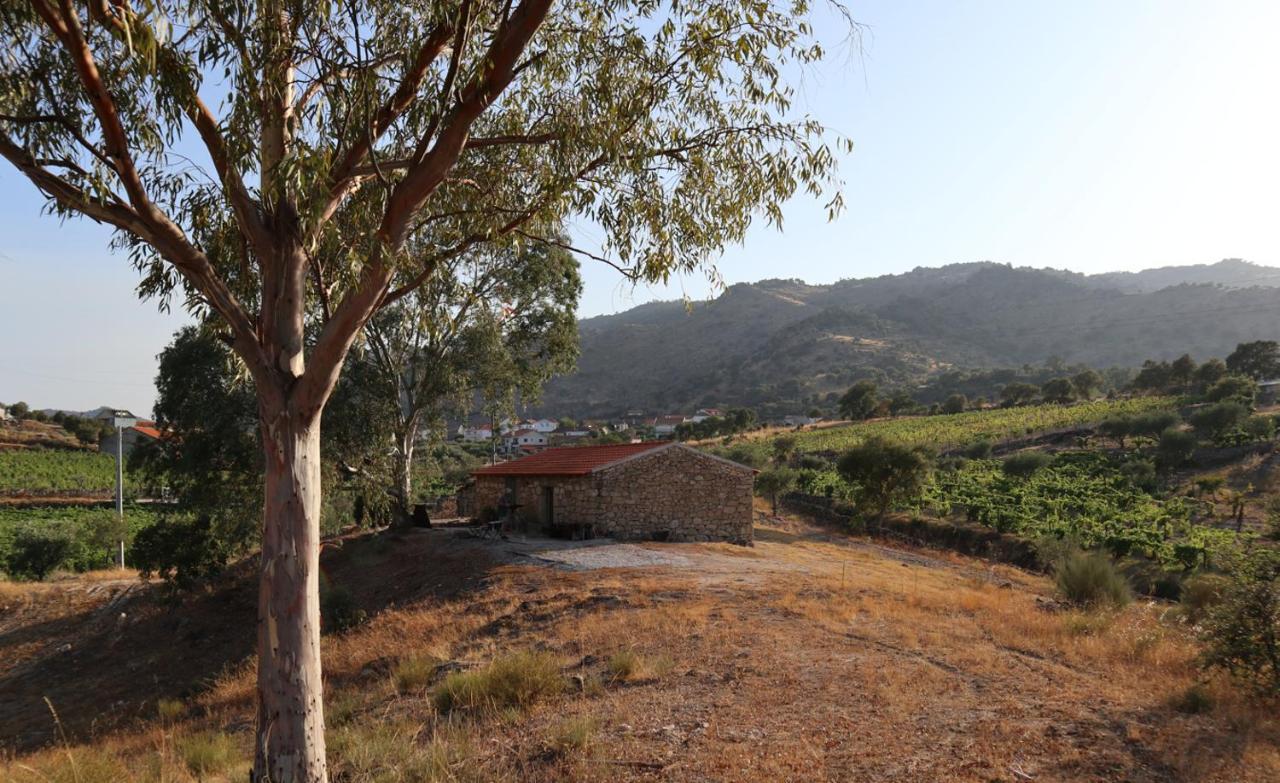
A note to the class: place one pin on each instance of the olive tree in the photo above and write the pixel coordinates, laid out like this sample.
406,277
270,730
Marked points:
291,167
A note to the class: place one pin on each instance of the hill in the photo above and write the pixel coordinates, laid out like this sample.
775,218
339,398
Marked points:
785,340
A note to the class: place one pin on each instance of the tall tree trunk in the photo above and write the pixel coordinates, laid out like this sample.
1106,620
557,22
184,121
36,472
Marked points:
406,439
290,743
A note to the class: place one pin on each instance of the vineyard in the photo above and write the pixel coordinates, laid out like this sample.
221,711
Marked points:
92,534
959,429
47,471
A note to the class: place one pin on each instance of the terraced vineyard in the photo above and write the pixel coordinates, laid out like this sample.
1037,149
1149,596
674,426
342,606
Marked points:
50,471
942,432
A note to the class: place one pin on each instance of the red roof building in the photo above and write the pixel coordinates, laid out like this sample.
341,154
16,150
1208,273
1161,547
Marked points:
570,460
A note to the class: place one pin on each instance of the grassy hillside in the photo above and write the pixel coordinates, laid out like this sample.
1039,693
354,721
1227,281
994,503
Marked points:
805,658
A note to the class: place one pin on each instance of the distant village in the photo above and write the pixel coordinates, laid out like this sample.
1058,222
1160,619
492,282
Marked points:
514,438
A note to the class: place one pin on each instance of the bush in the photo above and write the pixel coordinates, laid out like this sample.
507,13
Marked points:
1260,428
36,553
1025,463
1141,474
339,611
1090,579
414,673
1242,632
1200,594
1219,419
514,681
572,735
979,449
629,665
1152,423
884,473
1195,700
182,550
1148,577
1175,448
956,403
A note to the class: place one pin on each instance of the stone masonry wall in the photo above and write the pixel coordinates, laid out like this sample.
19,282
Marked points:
677,493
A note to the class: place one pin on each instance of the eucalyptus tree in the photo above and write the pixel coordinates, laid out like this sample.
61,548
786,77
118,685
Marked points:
497,323
279,163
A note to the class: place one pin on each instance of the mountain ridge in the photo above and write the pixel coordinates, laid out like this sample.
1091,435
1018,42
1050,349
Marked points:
784,340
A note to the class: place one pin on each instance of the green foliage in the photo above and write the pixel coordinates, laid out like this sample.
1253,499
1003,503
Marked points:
1152,424
1141,473
1083,496
513,681
956,403
1019,394
1058,390
86,538
774,482
885,474
979,449
1087,383
339,610
1091,580
48,471
1025,463
1242,632
1210,373
860,401
1219,419
184,549
208,753
1201,593
943,432
1259,428
1259,360
1236,388
1195,700
34,554
414,673
1175,447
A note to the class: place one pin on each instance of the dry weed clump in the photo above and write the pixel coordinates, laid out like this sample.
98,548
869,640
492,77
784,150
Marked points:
514,681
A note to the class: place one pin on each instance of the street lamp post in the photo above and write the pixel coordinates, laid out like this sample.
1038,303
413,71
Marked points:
121,420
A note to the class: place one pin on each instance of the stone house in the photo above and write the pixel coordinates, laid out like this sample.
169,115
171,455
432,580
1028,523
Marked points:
653,491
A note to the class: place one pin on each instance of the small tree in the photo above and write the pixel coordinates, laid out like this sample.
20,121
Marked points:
1218,419
1182,371
774,482
956,403
19,410
1087,383
784,446
1233,387
1175,447
885,474
1242,632
1259,360
1117,428
1026,463
1210,373
860,401
1059,390
1019,394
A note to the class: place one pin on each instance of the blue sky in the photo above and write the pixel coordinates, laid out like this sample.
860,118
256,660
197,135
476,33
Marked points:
1093,136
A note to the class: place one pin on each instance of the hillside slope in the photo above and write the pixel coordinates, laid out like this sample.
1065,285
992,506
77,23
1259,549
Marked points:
809,657
784,339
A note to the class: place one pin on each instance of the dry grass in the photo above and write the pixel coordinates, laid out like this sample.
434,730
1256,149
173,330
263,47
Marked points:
808,660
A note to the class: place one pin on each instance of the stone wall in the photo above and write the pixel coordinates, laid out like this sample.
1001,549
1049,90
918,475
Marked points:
676,494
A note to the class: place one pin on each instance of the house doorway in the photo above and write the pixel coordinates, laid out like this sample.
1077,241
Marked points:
549,506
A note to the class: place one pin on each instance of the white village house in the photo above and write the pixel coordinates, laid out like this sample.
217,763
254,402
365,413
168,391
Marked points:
525,440
475,434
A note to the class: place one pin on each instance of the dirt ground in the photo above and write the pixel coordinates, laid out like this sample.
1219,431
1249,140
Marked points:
810,656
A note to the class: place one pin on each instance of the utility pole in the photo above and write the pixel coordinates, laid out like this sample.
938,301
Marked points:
121,419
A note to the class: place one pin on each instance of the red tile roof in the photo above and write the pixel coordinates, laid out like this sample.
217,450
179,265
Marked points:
148,429
569,460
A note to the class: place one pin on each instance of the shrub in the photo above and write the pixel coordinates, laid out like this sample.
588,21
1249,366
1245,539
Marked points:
1175,448
1195,700
1200,594
1025,463
35,553
414,673
1233,387
628,665
170,709
1260,428
1242,632
1148,577
182,550
514,681
1217,420
339,611
572,735
208,753
956,403
1141,474
1152,423
979,449
1090,579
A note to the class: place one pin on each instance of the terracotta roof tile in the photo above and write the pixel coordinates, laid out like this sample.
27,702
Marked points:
569,460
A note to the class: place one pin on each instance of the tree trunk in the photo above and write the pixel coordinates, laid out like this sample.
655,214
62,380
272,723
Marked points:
405,440
290,743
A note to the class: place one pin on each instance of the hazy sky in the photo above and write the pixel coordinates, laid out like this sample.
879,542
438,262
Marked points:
1087,135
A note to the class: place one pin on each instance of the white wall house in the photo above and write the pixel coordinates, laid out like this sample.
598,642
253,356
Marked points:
4,413
542,425
666,425
526,438
474,434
